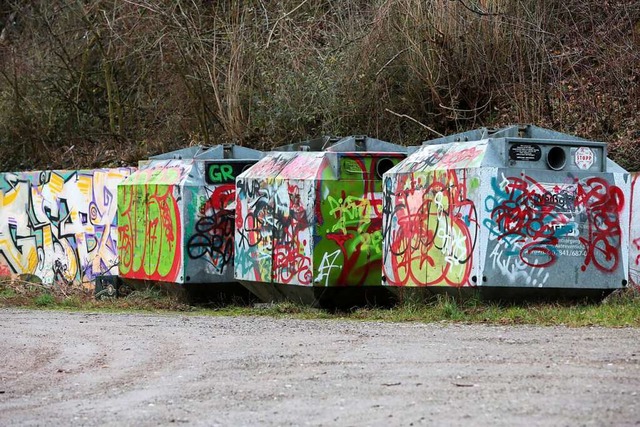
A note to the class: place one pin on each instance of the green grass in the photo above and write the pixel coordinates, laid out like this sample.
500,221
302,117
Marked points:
44,300
621,309
7,293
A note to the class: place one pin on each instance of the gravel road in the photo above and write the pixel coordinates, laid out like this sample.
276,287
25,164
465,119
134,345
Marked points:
135,369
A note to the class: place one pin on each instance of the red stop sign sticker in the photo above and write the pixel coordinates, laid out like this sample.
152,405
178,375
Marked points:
584,157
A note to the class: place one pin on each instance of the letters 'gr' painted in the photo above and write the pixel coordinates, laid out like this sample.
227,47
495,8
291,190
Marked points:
310,222
508,208
177,213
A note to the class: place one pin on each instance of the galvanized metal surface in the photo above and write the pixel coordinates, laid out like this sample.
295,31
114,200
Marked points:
491,212
177,213
480,213
313,219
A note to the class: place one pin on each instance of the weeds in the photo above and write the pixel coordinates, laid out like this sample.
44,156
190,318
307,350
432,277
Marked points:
109,82
44,300
620,309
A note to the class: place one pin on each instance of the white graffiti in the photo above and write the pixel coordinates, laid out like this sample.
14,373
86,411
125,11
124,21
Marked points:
59,225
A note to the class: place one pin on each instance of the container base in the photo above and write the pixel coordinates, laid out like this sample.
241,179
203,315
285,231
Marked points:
341,298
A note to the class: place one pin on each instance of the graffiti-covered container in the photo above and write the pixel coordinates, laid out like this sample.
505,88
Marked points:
634,232
176,216
59,226
308,223
520,207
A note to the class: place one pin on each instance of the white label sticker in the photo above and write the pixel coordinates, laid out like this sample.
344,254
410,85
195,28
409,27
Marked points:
584,157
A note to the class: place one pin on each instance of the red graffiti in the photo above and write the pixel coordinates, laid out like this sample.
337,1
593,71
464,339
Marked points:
603,203
289,261
149,231
289,264
532,218
5,271
433,231
526,216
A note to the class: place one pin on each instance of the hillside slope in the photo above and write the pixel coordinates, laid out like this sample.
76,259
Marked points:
107,82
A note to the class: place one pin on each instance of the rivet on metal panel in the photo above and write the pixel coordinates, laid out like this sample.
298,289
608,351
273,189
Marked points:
484,278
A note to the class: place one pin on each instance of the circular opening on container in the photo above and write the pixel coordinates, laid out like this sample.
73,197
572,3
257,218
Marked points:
556,158
383,165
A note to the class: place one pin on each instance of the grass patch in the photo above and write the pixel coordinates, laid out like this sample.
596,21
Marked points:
620,309
44,300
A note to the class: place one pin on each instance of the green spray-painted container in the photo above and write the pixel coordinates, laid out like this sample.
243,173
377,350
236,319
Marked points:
309,221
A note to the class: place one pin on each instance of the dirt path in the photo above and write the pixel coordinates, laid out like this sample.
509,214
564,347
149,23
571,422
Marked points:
114,369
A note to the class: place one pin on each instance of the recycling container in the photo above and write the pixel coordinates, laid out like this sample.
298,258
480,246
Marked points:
517,207
176,216
309,222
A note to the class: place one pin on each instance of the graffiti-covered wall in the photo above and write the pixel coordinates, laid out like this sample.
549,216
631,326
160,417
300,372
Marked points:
634,238
348,251
176,221
59,225
275,219
209,223
545,229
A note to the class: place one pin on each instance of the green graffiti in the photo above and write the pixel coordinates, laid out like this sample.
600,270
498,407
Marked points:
220,173
350,212
149,232
474,183
348,246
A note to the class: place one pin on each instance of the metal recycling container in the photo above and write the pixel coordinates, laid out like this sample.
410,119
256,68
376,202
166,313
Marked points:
176,215
518,207
634,231
308,223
